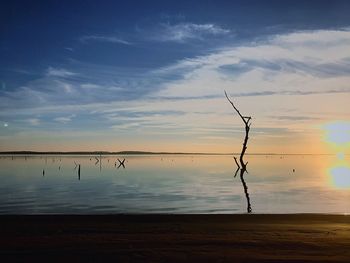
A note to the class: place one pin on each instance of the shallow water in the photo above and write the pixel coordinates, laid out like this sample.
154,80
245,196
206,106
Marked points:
173,184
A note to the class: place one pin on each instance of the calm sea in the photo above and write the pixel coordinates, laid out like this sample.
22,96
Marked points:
174,184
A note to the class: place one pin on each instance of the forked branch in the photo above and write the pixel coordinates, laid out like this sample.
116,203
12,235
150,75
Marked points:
247,122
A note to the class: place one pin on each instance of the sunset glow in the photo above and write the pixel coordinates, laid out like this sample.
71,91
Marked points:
157,84
175,131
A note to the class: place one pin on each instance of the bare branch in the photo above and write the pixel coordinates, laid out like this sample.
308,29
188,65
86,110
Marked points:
236,172
236,162
247,123
235,107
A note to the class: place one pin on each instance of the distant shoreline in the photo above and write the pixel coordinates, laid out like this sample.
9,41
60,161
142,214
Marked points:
141,153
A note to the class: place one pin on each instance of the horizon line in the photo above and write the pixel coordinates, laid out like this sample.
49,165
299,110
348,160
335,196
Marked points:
143,152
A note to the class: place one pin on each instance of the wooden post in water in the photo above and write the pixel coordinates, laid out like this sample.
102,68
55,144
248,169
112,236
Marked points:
100,163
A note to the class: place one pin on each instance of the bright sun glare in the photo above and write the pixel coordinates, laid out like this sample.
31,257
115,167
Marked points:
337,134
340,176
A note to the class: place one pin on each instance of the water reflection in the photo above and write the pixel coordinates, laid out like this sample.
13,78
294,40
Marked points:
340,176
242,171
174,184
337,135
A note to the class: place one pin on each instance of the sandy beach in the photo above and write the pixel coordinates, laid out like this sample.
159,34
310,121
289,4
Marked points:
175,238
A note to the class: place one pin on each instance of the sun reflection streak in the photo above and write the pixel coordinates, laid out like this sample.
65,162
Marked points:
337,135
339,172
340,176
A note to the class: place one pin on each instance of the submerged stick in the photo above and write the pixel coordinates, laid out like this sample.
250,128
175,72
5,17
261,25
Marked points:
121,163
100,163
236,163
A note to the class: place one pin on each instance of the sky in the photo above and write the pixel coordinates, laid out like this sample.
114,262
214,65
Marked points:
151,75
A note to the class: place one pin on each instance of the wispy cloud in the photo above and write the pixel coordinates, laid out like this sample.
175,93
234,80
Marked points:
59,72
277,81
271,68
280,65
291,93
33,121
100,38
185,31
295,118
64,119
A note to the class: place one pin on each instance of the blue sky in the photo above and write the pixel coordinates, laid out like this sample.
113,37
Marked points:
150,75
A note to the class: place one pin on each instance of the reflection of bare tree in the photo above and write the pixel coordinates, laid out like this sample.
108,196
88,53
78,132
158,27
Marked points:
242,167
245,187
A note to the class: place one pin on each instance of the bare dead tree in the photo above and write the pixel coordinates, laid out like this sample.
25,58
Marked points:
242,167
247,122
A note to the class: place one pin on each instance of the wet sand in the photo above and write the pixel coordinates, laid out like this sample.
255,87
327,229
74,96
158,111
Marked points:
175,238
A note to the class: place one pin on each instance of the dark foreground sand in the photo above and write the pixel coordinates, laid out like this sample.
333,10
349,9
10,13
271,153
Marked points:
175,238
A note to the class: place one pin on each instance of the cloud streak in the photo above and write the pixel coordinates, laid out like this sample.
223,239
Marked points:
107,39
59,72
280,65
183,32
65,119
33,121
181,101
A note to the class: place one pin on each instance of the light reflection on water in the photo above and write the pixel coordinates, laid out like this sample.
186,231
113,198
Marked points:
340,176
172,184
